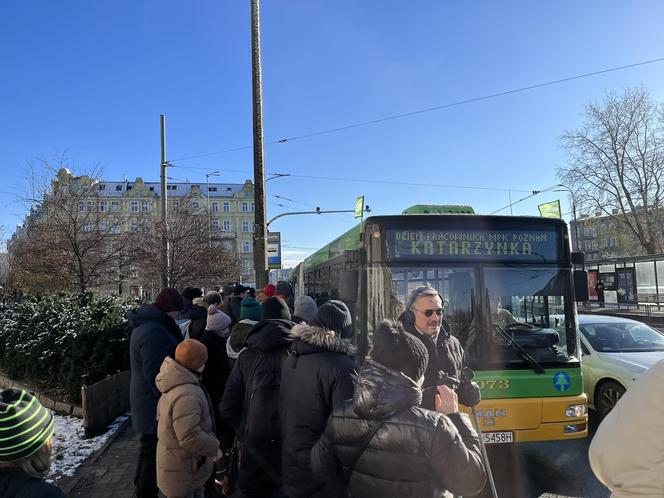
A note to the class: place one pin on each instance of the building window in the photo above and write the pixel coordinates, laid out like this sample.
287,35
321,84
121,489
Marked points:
246,246
245,207
133,273
88,205
118,188
103,226
227,226
87,227
215,207
115,206
81,206
129,187
103,206
151,189
253,207
171,187
215,224
246,266
102,186
228,246
145,206
134,225
195,205
134,206
248,193
245,226
115,229
227,207
212,189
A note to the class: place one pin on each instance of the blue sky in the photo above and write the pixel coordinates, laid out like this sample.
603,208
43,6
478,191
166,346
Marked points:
89,79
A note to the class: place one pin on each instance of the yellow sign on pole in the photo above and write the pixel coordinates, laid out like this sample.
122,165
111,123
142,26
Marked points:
359,207
550,209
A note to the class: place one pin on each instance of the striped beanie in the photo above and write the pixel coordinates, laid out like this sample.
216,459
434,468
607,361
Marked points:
25,425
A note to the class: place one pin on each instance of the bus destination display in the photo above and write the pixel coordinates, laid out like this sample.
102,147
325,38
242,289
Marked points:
496,245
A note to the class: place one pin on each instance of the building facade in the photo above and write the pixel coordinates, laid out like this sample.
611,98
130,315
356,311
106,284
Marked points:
229,210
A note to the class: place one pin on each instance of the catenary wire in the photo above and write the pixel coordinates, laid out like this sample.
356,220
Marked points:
430,109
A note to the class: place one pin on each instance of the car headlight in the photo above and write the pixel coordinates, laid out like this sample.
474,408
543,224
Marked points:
576,411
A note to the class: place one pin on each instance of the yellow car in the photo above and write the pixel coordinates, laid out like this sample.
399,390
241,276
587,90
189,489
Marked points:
616,351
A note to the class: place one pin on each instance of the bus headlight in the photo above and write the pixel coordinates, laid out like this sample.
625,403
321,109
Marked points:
576,411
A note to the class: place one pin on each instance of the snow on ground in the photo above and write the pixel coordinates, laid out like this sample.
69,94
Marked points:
71,448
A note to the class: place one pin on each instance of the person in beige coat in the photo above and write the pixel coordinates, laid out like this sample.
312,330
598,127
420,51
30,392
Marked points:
627,452
187,447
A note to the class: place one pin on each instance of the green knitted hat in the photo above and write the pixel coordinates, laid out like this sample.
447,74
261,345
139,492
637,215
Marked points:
25,425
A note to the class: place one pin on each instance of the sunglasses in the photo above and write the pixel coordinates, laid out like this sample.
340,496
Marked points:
429,313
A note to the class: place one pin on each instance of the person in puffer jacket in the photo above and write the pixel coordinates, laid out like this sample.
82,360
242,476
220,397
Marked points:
627,451
316,377
250,403
186,446
382,443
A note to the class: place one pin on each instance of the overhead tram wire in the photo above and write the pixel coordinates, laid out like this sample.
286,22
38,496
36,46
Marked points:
430,109
360,180
538,192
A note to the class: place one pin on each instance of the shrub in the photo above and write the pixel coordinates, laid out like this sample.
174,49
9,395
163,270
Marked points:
61,341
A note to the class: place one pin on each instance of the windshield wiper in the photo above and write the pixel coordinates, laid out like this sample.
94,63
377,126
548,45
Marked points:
537,368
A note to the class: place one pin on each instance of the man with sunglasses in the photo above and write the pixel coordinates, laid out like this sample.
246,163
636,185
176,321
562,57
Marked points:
423,318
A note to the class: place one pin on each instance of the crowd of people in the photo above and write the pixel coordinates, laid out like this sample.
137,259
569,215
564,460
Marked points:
260,395
246,394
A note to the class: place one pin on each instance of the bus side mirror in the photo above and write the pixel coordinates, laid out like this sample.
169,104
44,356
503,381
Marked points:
578,258
581,285
348,286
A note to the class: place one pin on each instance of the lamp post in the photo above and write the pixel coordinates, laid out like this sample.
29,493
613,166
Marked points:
207,182
277,175
576,224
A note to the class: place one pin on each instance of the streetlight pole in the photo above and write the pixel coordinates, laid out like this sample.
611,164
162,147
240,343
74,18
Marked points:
209,209
164,209
576,224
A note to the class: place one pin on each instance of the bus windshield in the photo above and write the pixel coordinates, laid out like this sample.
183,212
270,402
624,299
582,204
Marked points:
526,304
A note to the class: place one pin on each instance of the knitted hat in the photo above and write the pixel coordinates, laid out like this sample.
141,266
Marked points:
275,308
25,425
218,321
284,289
191,293
212,297
169,299
191,354
269,290
334,315
397,349
305,308
250,309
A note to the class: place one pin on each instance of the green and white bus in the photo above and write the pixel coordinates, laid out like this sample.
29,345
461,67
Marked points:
508,283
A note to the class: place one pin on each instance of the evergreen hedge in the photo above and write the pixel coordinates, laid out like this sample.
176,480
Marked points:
61,341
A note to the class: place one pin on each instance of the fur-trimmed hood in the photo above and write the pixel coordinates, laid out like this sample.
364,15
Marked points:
319,339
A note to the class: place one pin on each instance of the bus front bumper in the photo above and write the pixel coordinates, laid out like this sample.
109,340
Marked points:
533,419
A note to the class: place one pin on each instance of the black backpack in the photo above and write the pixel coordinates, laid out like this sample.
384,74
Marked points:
261,400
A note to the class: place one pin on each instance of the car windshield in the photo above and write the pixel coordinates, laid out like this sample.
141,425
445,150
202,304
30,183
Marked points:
622,337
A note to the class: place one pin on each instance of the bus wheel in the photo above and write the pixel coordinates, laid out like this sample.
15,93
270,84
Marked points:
607,396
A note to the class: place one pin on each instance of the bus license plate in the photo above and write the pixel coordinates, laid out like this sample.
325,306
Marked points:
498,437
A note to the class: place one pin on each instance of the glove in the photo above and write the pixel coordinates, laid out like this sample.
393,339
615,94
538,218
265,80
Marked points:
469,394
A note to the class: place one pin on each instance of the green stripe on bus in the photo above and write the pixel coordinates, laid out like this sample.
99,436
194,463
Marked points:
496,384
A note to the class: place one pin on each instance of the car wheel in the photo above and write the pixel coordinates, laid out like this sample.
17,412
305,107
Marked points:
607,396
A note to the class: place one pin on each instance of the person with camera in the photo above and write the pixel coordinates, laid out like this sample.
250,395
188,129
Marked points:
423,318
383,443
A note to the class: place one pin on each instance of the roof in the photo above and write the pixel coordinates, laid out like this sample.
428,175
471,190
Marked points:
119,189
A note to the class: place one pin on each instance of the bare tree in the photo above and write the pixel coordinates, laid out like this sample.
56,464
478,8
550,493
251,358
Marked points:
617,165
72,239
197,255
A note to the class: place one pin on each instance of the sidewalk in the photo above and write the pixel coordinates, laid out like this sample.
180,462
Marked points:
110,472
